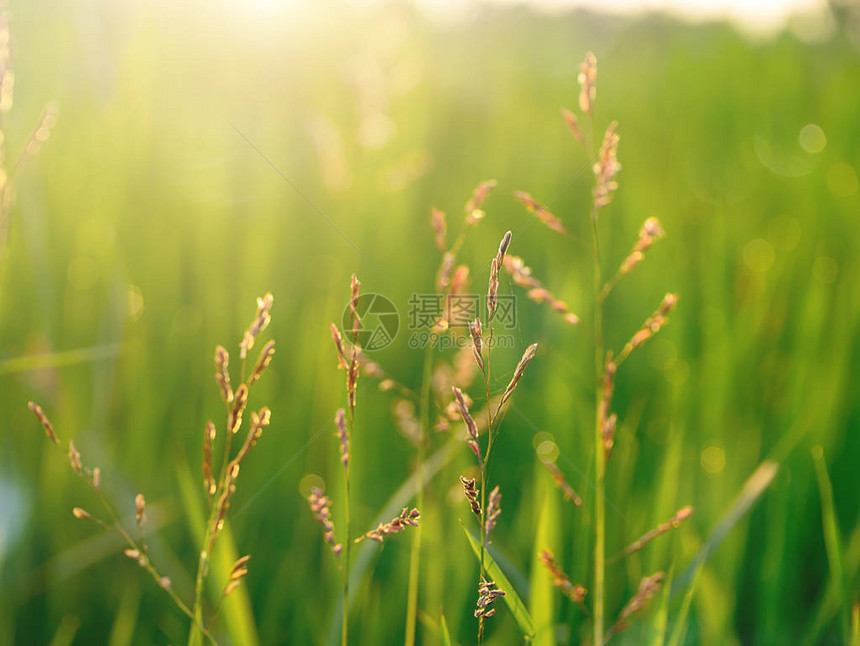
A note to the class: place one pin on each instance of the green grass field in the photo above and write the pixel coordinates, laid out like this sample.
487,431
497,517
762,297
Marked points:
205,154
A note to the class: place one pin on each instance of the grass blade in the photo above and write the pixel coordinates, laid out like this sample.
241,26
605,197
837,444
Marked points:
543,595
446,635
515,603
752,490
680,630
832,542
660,619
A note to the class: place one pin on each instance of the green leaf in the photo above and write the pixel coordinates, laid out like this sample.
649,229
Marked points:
518,608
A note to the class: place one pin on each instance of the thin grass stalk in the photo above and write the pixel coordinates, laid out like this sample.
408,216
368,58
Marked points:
599,453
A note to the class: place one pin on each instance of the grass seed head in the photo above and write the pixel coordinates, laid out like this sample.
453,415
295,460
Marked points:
222,374
481,192
263,362
44,421
240,399
528,355
586,78
440,228
470,490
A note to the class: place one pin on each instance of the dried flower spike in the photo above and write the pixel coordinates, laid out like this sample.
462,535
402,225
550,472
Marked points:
586,79
75,459
487,594
651,326
606,168
44,421
495,266
261,320
208,477
406,519
342,436
572,123
259,421
680,516
319,505
648,587
338,344
560,580
240,399
477,342
528,355
222,374
562,484
480,194
540,212
263,362
471,427
140,510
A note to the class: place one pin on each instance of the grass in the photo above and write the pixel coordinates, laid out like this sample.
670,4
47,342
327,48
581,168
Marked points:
146,221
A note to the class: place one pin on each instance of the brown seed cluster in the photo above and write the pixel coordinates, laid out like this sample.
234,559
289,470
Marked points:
407,518
560,580
440,228
487,594
470,490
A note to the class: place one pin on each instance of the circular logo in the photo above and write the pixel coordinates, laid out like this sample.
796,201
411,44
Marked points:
378,322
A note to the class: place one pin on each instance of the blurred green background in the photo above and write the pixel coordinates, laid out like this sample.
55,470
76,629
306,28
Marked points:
147,225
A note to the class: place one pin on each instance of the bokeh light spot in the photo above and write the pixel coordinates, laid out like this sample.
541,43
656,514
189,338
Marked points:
842,180
759,255
309,482
825,270
713,459
784,232
811,138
